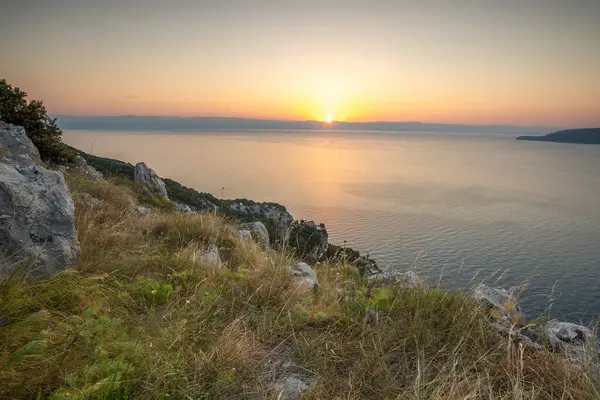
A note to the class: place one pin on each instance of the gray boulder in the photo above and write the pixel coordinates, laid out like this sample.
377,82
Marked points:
16,145
211,257
260,232
500,303
150,180
36,209
83,166
304,276
566,334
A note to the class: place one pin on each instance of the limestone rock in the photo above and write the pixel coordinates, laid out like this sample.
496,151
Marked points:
261,233
391,276
561,334
83,166
184,208
287,380
211,257
303,275
37,217
14,142
244,234
249,209
500,303
150,180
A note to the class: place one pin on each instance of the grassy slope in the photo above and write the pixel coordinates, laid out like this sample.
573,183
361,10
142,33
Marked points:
142,317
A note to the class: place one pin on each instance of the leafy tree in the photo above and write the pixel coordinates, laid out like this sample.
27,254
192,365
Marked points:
32,115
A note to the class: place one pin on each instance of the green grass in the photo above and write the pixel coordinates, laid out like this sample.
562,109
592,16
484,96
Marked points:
142,317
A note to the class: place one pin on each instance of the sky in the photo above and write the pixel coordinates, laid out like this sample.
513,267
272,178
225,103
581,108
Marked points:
523,62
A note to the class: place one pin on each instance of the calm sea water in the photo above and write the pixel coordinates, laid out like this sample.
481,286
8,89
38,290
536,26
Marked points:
457,208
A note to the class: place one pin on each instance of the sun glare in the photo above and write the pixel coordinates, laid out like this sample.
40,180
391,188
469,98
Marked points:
329,119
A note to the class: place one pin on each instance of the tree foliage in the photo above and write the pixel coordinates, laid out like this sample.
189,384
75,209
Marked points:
32,115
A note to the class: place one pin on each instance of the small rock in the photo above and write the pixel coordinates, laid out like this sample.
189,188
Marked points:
391,276
304,276
62,169
150,180
244,234
184,208
142,210
261,232
211,257
290,388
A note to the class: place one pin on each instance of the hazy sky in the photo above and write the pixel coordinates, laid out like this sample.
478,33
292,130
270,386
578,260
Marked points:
525,62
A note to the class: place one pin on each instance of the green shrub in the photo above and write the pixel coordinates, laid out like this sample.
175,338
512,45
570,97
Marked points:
32,115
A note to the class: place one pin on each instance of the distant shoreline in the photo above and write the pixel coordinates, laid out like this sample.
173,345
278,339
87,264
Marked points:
131,122
576,136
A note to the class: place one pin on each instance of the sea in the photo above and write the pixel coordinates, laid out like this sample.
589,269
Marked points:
458,209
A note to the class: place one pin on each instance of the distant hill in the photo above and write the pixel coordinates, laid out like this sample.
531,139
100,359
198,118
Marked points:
134,122
583,136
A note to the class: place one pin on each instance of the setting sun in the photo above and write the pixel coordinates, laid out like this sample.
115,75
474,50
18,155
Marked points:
328,119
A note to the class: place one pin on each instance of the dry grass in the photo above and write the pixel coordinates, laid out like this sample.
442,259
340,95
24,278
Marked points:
143,317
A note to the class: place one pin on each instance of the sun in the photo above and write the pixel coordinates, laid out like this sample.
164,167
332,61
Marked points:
329,119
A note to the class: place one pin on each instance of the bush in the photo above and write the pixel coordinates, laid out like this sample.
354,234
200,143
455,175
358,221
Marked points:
32,115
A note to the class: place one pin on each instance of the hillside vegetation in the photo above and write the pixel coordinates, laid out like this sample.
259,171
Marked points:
143,316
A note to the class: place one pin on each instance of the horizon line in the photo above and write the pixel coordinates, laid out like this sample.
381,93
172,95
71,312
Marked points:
307,120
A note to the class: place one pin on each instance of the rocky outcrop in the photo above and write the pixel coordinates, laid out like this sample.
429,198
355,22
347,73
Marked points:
568,336
150,181
275,216
500,304
211,257
83,166
309,240
259,231
304,276
365,265
36,209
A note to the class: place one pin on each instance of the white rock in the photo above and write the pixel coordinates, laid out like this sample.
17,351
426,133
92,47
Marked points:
303,275
244,234
390,276
184,208
142,210
261,232
150,180
290,387
211,257
36,209
500,300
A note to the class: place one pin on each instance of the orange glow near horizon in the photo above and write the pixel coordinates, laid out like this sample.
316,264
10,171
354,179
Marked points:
489,64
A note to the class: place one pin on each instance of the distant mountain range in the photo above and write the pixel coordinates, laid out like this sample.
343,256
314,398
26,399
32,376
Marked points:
133,122
583,136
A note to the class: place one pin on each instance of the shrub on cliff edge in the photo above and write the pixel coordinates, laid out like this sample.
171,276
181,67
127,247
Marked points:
32,115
